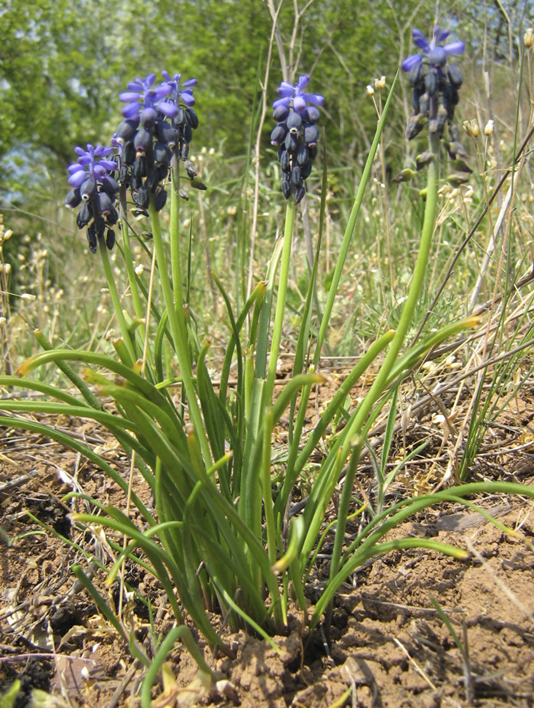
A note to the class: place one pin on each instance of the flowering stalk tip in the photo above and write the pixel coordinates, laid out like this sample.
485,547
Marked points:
296,135
435,83
95,188
158,125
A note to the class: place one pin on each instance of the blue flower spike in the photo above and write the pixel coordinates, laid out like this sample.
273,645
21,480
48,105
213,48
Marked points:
296,134
158,126
435,82
95,188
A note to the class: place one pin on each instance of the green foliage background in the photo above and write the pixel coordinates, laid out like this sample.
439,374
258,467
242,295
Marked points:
63,64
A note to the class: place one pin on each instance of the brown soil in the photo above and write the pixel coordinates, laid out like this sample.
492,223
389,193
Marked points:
388,645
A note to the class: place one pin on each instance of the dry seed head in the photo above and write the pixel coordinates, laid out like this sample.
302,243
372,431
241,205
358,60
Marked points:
380,83
528,39
7,268
472,128
488,130
370,90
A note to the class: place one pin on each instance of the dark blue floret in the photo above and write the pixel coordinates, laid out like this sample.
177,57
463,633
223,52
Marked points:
296,134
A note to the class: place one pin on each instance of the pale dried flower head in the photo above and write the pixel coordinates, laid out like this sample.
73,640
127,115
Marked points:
528,39
380,83
488,130
370,90
472,128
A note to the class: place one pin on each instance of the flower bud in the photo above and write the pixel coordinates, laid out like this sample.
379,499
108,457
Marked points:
312,114
110,185
311,135
190,169
278,134
455,75
528,39
414,127
296,177
142,197
280,113
126,131
187,133
91,238
299,194
105,205
166,133
160,200
291,143
302,155
148,118
179,117
191,117
286,188
87,188
405,175
142,141
84,215
284,160
370,90
425,158
294,122
162,154
72,200
306,170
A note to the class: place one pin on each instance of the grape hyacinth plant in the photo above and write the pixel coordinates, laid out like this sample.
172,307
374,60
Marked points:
296,134
218,535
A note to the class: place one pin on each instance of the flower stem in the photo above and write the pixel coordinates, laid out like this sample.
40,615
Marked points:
280,302
379,385
175,237
179,335
116,300
132,278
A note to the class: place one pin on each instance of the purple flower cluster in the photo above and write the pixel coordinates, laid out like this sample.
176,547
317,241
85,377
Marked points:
435,83
157,127
95,188
296,134
158,124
